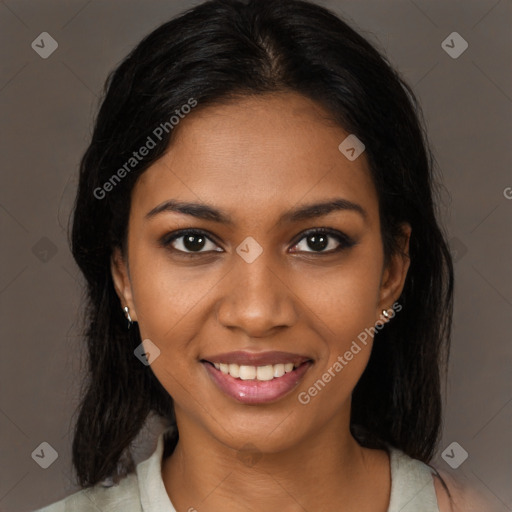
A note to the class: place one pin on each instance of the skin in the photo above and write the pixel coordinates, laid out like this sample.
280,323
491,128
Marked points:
254,159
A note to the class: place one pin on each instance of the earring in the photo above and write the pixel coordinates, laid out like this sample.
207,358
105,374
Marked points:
126,310
386,314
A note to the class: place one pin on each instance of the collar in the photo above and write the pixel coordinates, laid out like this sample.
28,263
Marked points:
153,495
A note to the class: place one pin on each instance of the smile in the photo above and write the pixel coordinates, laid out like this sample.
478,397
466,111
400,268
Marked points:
264,373
256,384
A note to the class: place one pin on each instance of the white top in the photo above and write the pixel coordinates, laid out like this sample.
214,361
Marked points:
412,489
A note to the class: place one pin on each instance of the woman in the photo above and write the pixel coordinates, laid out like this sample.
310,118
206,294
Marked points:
265,271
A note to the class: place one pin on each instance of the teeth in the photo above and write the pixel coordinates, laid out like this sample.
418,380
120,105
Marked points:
279,370
244,372
234,370
247,372
265,372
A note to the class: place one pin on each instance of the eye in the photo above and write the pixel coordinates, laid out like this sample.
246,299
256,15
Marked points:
320,239
194,241
188,242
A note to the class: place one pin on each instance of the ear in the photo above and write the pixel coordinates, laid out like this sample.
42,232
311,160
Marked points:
394,274
121,279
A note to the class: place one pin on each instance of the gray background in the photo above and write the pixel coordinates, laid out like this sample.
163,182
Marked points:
47,110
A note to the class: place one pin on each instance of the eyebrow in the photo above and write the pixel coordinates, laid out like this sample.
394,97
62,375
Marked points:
304,212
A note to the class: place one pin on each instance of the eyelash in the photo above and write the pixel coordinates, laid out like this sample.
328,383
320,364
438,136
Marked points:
345,241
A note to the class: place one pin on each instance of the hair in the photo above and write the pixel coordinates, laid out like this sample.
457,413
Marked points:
216,53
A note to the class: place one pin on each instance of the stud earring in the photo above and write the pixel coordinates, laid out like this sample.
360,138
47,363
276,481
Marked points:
386,314
126,310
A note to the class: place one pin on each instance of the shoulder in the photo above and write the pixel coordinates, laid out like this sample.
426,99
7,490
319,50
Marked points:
457,495
443,493
419,486
412,486
121,497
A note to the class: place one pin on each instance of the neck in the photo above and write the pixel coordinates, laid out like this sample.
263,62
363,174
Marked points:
318,473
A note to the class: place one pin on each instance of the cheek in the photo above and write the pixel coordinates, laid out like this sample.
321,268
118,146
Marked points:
174,307
168,300
343,303
166,295
341,299
344,299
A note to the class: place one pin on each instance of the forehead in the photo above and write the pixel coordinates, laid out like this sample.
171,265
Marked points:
258,154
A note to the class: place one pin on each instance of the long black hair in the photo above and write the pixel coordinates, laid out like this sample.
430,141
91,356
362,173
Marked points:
217,52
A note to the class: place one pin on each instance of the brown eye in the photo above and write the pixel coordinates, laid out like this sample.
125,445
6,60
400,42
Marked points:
189,242
323,241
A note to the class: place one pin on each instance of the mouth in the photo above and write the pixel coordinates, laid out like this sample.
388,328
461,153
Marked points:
261,373
270,377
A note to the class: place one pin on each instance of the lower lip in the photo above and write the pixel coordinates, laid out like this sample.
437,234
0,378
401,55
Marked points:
257,391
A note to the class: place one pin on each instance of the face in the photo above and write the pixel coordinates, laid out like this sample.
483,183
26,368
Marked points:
261,274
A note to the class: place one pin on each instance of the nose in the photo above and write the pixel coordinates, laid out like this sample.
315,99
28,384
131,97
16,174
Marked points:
257,299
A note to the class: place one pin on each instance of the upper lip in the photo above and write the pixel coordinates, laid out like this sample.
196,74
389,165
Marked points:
257,358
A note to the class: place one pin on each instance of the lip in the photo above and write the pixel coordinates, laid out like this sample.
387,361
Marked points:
257,358
252,392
